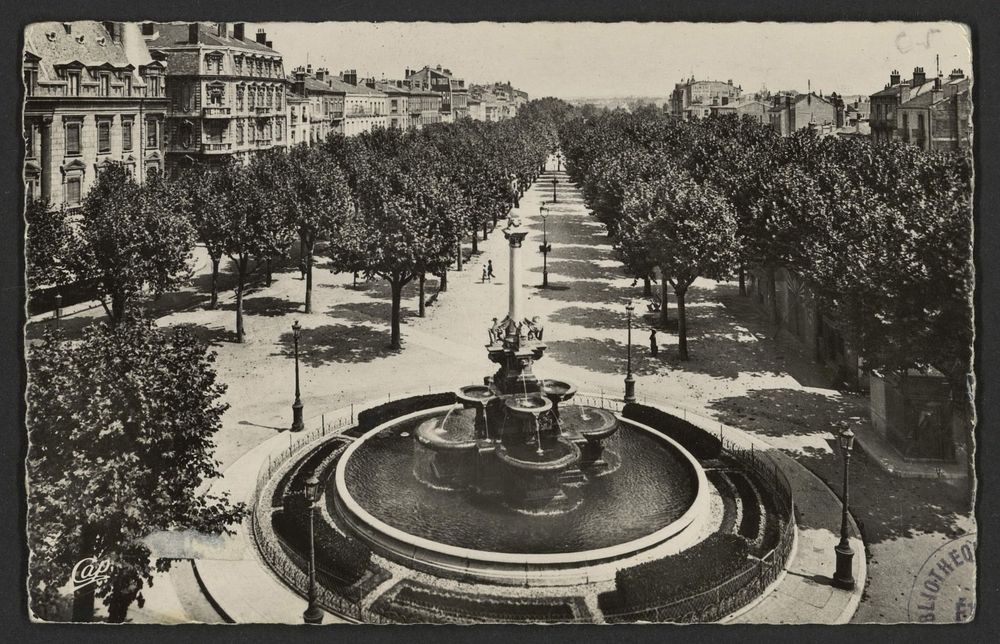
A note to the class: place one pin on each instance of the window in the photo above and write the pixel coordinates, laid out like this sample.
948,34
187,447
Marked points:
73,191
127,135
128,83
105,84
74,84
239,97
238,64
29,140
239,132
906,127
30,78
152,133
278,130
153,86
73,138
215,96
103,137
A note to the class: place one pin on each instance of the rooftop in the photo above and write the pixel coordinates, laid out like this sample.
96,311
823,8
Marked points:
177,34
86,42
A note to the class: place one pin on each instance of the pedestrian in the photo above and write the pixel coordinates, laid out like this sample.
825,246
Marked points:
653,346
485,274
302,269
489,269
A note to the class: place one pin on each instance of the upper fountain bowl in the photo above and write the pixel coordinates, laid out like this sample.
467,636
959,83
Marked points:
475,394
557,391
529,405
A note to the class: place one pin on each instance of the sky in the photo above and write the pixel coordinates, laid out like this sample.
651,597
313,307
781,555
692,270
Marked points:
570,60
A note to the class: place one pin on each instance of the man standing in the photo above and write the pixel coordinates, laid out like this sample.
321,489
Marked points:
489,269
653,345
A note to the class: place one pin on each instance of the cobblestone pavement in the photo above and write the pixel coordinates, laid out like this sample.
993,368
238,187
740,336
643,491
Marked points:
737,373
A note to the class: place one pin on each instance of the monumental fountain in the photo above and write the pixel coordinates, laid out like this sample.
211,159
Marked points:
518,482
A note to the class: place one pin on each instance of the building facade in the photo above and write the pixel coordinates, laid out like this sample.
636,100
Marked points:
791,113
226,91
884,103
454,95
299,119
364,108
695,98
938,120
94,95
398,103
326,111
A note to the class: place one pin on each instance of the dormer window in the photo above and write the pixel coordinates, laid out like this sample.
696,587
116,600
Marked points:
73,84
105,84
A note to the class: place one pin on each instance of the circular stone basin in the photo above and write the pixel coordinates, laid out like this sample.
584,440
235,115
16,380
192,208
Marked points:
592,422
659,493
478,394
532,404
555,457
455,431
557,390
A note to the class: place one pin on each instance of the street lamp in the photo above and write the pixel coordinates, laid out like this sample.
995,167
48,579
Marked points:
844,576
297,424
312,614
554,182
58,310
629,380
545,247
558,161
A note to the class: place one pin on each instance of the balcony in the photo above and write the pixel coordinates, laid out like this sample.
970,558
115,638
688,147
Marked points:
216,112
263,143
262,111
216,148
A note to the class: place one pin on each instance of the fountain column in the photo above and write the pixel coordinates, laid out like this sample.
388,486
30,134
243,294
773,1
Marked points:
515,236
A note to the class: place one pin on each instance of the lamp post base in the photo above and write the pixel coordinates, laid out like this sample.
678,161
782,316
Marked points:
313,615
545,279
297,424
844,575
629,389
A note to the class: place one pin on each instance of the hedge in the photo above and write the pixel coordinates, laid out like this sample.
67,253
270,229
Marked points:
703,445
416,602
342,558
375,416
692,571
750,523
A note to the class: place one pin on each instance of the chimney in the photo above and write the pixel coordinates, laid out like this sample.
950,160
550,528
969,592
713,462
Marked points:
309,68
321,74
193,33
956,74
438,67
239,30
269,44
148,28
894,78
919,77
68,26
261,37
222,29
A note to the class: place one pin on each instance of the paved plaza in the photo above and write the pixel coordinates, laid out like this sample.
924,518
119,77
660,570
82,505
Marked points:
738,375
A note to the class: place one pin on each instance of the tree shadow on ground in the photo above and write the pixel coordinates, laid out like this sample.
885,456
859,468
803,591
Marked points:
582,270
587,253
602,355
270,306
590,318
68,328
212,336
337,343
587,291
888,507
363,312
788,412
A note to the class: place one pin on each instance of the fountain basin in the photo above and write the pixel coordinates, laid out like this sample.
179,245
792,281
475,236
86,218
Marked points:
532,405
592,423
558,391
557,456
455,432
475,394
653,508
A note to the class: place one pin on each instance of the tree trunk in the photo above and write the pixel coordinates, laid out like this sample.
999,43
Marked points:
309,275
215,284
267,265
121,599
647,286
83,598
682,340
772,293
494,220
475,242
664,318
422,305
743,280
117,307
240,287
397,294
484,231
458,253
443,283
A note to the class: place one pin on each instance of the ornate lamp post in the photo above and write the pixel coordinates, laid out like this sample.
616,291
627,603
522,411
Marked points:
629,380
844,575
554,182
297,424
58,310
545,247
312,614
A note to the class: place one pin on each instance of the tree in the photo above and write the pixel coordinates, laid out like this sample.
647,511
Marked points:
691,232
316,199
207,216
120,426
130,237
47,243
254,227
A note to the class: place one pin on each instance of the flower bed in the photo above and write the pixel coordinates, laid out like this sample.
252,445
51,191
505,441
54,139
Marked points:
750,522
341,558
413,602
702,444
